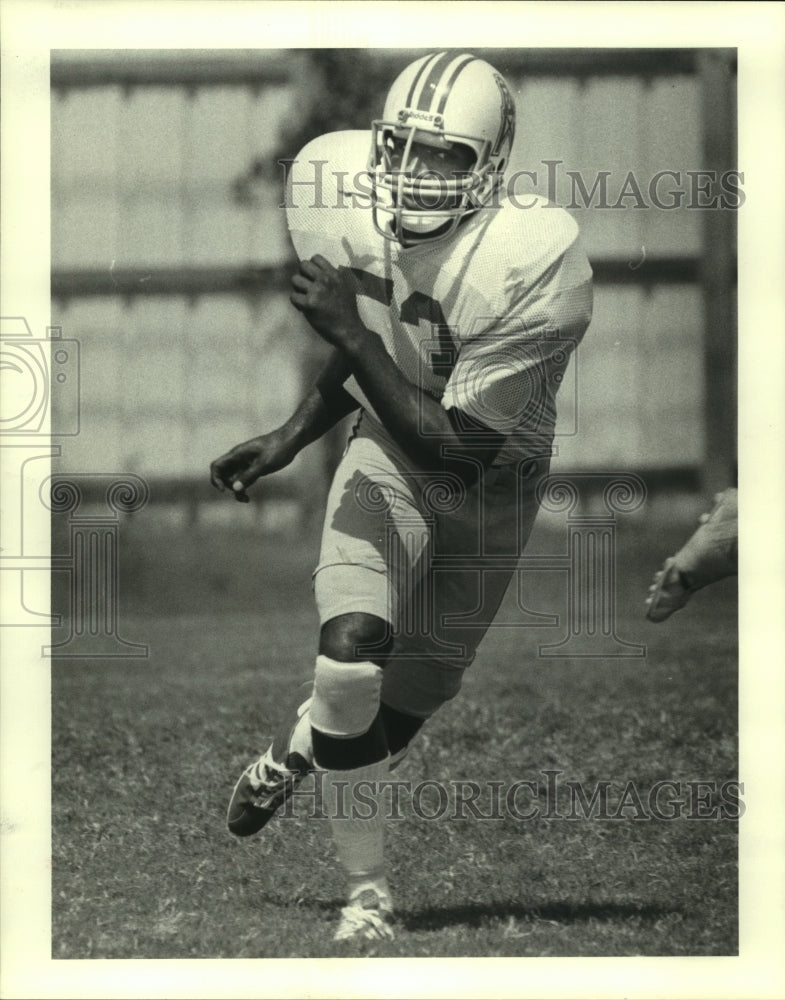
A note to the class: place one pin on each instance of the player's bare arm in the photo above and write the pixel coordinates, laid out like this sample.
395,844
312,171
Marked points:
322,408
417,422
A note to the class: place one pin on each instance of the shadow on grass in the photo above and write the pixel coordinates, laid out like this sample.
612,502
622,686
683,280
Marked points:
436,918
476,914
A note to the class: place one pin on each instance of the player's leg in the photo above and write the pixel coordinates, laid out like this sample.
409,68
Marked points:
709,555
351,577
372,506
372,549
452,607
350,747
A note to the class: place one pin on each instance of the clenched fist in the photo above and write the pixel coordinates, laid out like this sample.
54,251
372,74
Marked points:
325,296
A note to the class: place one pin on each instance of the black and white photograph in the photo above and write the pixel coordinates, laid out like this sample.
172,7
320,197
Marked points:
391,435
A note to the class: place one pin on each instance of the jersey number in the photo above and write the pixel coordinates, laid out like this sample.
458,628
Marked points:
442,356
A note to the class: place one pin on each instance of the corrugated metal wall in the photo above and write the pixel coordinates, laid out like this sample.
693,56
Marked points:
142,176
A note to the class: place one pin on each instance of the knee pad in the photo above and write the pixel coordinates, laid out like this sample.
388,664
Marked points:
345,696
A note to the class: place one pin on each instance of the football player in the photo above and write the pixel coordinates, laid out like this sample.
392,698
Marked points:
709,555
452,310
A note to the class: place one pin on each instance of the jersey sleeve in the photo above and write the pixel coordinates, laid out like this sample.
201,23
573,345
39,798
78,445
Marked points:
506,375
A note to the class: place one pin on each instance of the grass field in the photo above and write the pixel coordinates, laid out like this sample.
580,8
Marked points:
145,754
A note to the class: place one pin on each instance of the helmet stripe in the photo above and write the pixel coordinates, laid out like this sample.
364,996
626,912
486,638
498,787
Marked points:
422,99
446,86
428,61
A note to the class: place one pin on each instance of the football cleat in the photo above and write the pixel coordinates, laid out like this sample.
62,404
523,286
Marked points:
366,918
668,593
709,555
261,790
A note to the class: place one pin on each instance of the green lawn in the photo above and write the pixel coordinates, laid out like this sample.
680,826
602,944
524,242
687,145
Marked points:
145,754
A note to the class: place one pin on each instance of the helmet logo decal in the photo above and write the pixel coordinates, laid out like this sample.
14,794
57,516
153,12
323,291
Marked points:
405,114
507,127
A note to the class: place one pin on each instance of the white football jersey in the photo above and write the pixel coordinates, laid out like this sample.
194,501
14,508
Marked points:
484,322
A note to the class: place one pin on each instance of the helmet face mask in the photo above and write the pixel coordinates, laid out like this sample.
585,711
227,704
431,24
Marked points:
438,153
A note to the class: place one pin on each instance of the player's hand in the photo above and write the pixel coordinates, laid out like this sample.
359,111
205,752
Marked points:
328,301
243,465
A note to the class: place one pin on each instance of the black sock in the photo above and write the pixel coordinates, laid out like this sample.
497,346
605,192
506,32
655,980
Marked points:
337,753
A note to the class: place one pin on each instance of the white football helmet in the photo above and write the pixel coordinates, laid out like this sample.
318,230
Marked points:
452,102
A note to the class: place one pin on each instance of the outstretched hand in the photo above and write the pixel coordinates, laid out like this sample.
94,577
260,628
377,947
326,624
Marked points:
325,296
243,465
